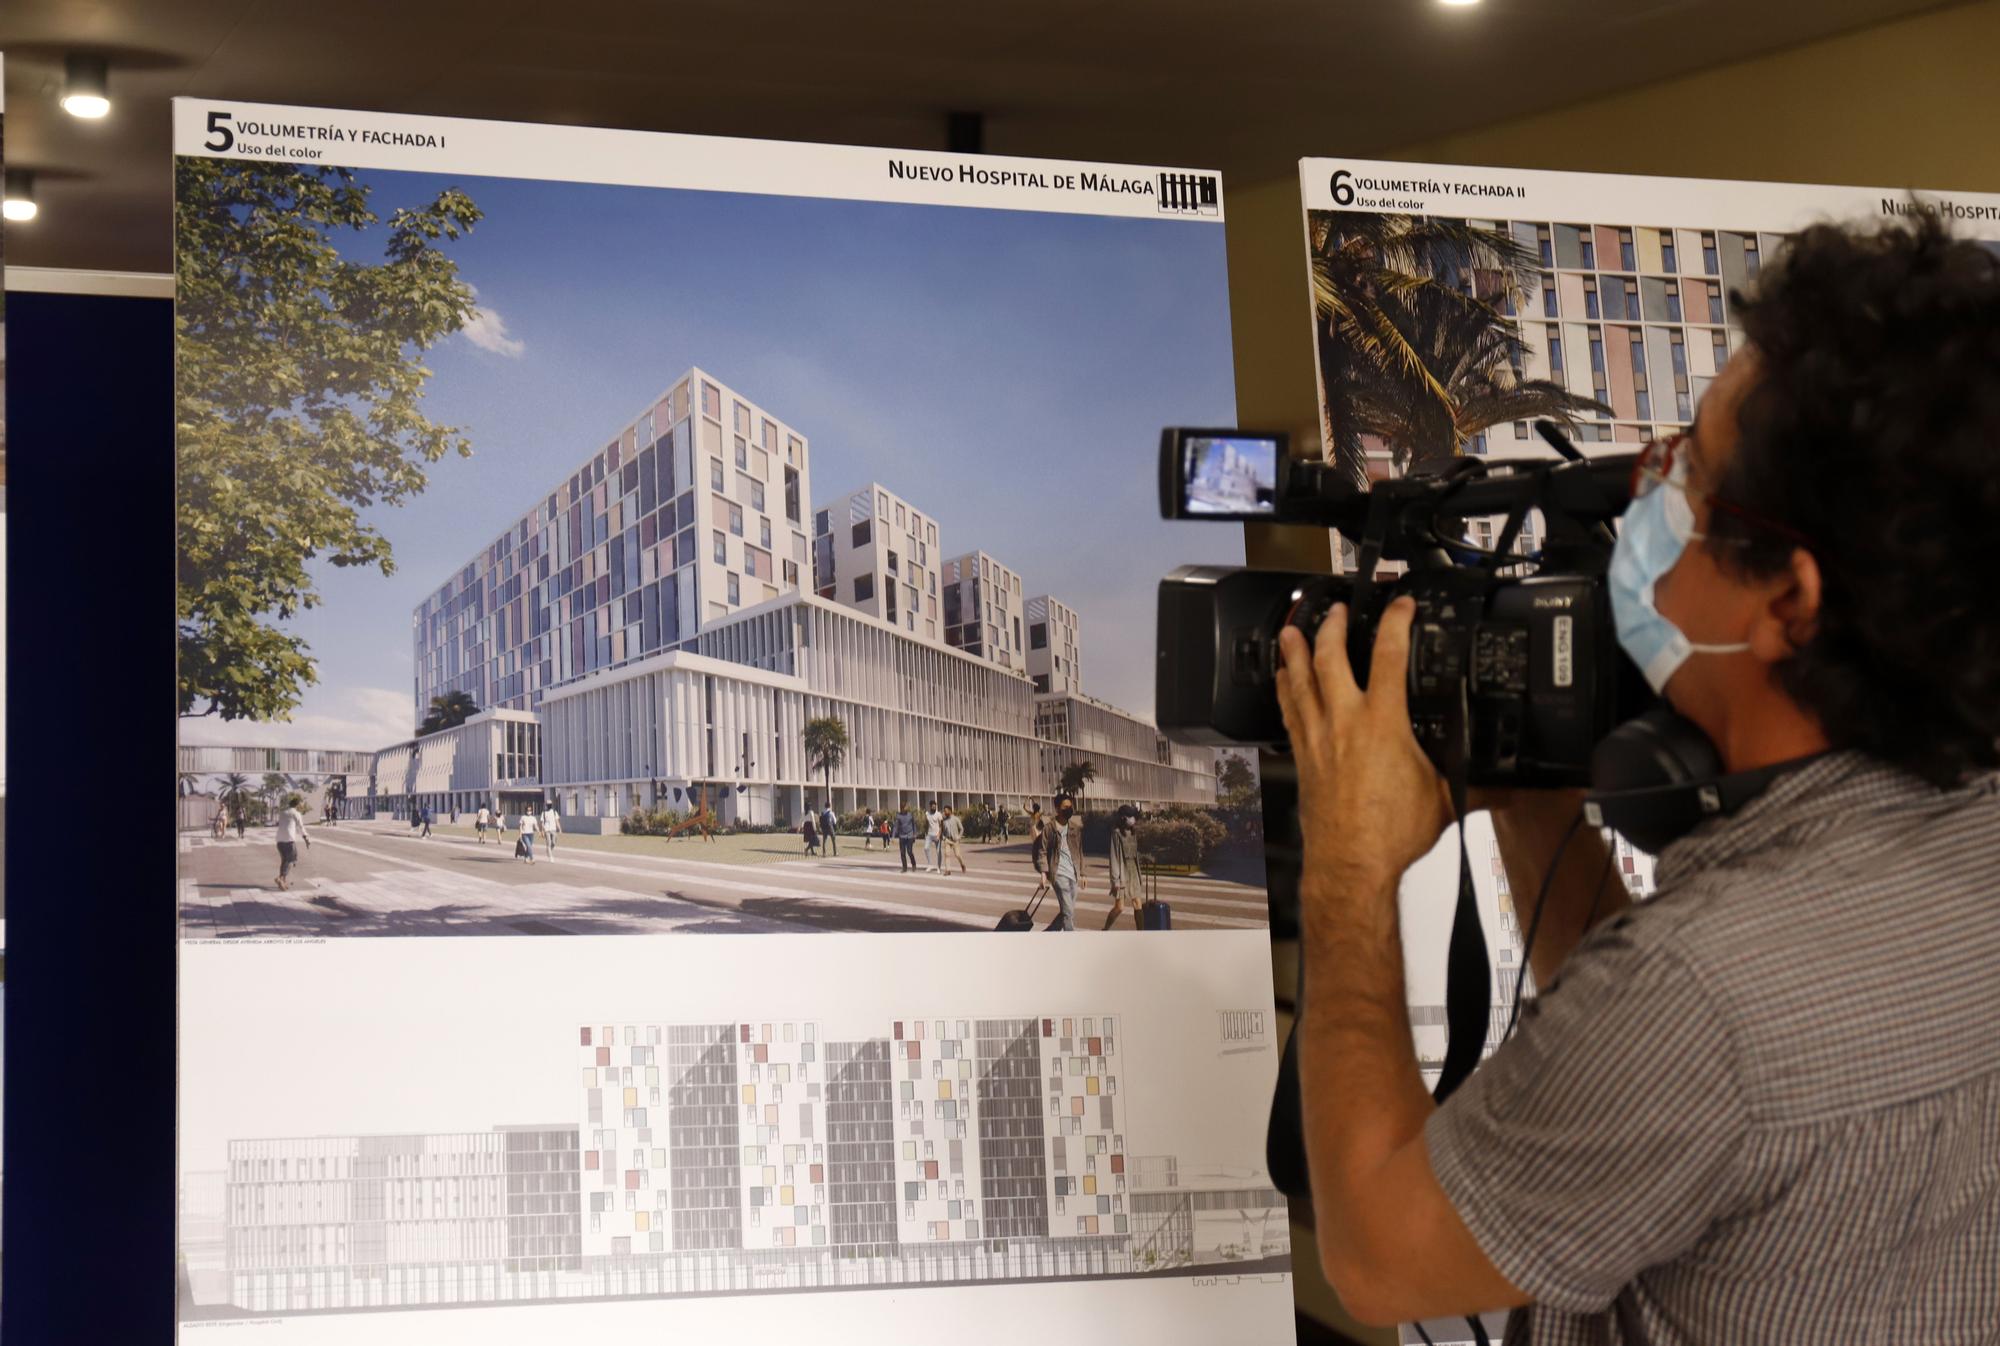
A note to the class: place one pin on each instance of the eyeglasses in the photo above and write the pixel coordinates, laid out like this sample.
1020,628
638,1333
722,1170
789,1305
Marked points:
1662,462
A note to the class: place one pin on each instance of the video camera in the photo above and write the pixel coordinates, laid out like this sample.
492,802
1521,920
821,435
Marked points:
1513,679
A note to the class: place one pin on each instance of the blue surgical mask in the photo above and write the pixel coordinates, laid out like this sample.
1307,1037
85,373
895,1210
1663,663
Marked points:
1655,530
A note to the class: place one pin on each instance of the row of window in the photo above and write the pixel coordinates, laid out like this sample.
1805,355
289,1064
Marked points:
1583,238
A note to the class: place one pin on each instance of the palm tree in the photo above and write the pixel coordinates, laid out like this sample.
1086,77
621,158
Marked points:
275,784
826,748
233,791
1415,346
448,712
187,783
1077,776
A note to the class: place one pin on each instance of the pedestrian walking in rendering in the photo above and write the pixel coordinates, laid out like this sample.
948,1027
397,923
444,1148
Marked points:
551,828
427,824
1125,866
810,831
906,837
999,825
867,828
525,847
934,839
1037,843
1062,846
291,835
888,828
481,823
829,830
454,813
954,832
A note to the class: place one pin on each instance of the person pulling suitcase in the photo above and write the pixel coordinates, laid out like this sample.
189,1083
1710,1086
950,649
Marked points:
1126,877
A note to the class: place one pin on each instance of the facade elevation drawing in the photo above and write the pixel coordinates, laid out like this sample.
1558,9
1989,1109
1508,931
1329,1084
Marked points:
498,1136
710,1158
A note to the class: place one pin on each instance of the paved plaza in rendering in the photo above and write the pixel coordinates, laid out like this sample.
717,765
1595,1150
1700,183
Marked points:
380,878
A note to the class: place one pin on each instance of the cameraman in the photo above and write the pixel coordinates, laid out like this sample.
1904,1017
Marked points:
1765,1104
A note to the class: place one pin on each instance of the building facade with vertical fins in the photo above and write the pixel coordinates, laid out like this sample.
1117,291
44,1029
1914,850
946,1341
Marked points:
657,630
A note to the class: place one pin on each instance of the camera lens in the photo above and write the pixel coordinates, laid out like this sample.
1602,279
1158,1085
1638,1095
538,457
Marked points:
1311,602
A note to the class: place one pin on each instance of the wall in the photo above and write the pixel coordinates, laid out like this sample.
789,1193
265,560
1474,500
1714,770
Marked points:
1893,106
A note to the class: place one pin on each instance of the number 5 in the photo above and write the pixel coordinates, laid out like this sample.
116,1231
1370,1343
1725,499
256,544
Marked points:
218,125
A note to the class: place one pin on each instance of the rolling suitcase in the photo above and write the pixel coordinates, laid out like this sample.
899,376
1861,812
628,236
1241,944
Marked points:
1153,913
1021,919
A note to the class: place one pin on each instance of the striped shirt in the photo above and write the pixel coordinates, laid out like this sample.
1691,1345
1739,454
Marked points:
1765,1105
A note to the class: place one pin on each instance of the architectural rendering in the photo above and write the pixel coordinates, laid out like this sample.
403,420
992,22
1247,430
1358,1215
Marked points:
737,1158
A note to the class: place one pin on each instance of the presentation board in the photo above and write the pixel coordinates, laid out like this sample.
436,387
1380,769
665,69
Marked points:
642,597
1453,306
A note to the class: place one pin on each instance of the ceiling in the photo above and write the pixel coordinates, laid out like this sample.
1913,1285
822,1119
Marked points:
1245,87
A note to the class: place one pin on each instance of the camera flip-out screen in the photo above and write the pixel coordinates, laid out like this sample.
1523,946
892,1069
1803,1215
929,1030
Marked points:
1224,474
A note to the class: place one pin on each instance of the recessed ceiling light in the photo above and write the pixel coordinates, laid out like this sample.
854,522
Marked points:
1459,4
86,87
20,204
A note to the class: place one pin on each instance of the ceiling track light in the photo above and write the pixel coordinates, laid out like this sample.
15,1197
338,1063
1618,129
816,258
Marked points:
20,203
86,86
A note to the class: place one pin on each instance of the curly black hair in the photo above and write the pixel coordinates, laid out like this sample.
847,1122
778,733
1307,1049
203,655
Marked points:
1873,430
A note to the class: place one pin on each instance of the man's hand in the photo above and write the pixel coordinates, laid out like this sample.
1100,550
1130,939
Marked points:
1370,803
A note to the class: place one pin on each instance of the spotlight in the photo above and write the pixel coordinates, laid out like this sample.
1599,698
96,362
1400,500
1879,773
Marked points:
1458,4
20,207
86,87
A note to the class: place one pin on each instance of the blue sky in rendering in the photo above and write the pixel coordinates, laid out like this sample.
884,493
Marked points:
1006,371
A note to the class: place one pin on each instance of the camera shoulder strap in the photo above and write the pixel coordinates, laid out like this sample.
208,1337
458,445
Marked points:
1468,973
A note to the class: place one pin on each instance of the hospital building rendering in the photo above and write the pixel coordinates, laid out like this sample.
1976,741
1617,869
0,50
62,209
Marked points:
659,629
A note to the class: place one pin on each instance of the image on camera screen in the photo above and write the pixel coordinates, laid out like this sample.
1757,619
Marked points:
1231,476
